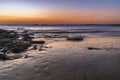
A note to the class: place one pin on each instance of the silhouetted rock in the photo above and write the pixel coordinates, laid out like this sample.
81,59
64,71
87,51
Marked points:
38,42
76,38
92,48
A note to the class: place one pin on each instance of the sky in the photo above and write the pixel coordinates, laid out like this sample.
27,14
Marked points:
60,11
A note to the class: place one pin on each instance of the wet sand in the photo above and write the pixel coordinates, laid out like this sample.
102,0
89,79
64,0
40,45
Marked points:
67,60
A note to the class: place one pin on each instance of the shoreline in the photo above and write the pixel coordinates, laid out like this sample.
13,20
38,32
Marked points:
67,60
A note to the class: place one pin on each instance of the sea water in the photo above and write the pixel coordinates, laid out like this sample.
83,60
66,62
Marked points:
83,30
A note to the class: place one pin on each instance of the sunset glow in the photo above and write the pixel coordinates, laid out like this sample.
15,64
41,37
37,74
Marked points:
64,11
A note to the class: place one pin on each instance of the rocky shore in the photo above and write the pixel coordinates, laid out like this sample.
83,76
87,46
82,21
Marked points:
13,45
60,57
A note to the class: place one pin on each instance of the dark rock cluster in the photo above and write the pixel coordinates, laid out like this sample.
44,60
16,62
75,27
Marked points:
10,43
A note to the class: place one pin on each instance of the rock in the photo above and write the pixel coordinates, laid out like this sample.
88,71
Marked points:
48,36
9,42
14,56
26,56
3,56
34,47
19,47
92,48
76,38
38,42
26,37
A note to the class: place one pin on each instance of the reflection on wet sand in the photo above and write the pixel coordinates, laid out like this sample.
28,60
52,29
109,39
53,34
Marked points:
67,60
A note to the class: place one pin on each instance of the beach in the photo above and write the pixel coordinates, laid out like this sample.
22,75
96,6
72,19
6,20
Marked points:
96,57
59,39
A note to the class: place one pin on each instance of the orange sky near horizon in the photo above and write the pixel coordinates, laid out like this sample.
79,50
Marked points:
61,18
60,11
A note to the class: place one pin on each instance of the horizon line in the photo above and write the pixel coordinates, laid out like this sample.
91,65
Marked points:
57,24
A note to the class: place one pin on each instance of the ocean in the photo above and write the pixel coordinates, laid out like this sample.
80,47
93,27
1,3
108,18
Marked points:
83,30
